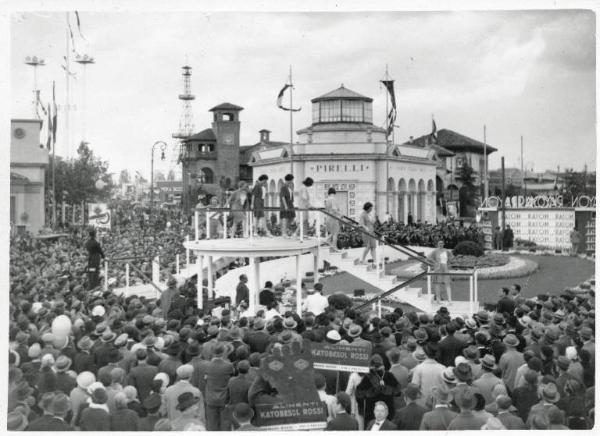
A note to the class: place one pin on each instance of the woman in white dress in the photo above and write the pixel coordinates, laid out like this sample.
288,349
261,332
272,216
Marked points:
332,225
304,203
353,382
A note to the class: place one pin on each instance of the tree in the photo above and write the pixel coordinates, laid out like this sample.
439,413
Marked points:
578,183
75,179
124,177
468,194
171,176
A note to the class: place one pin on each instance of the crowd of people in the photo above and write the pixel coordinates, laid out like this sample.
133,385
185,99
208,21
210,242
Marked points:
84,358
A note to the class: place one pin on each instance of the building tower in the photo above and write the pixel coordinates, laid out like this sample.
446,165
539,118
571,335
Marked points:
35,62
226,128
84,61
186,122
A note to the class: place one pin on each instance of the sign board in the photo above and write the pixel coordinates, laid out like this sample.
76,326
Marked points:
541,202
301,415
340,357
549,228
99,215
452,209
488,230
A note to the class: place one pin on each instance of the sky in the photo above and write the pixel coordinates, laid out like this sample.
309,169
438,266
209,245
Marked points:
520,73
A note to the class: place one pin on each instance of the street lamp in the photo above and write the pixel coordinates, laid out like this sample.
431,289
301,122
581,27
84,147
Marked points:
163,147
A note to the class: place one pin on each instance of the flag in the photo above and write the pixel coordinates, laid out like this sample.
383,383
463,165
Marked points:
50,129
39,102
433,130
79,24
54,113
280,98
391,116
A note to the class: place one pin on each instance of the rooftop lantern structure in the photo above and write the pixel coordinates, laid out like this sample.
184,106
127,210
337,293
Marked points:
342,106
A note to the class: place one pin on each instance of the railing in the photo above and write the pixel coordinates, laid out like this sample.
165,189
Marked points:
153,280
473,289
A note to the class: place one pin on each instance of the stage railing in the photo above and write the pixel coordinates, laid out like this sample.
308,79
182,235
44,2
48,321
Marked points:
473,290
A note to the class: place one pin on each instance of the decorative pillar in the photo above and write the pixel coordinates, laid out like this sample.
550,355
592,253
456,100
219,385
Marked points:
200,271
405,208
298,285
255,288
210,276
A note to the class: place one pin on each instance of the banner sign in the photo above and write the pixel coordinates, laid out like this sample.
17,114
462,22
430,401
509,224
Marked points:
549,228
302,415
98,215
340,357
540,202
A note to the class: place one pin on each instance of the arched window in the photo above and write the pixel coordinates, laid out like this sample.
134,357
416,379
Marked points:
207,175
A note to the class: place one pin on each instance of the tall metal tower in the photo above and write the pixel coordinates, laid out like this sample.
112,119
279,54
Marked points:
84,61
35,62
186,122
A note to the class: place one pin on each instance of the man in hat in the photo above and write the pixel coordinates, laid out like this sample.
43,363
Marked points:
450,346
189,406
562,364
397,369
587,337
96,416
172,362
242,293
466,420
95,256
549,397
167,296
510,361
141,376
218,372
315,301
486,382
171,395
441,416
286,199
257,338
84,360
152,405
506,305
342,420
410,416
428,373
506,417
441,258
64,381
242,414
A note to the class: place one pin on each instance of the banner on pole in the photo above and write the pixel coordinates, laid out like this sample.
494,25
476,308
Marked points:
338,357
99,215
302,415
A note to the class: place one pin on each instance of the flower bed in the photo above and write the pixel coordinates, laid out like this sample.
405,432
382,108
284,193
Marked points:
487,261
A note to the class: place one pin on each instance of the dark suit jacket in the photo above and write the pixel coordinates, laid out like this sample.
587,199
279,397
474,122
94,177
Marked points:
409,417
84,362
258,341
387,425
342,421
450,347
141,378
48,423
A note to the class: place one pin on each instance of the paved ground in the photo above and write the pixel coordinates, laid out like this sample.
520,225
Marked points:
555,273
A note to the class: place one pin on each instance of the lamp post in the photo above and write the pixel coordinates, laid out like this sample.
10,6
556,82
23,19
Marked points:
163,147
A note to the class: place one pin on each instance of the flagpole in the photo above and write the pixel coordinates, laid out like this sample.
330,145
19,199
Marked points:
485,165
522,173
67,92
387,127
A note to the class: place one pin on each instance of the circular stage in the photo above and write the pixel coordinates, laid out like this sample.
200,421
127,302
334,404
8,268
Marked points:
255,247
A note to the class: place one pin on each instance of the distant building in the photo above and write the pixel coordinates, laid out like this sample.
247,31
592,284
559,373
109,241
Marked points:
28,165
169,191
536,182
452,151
343,149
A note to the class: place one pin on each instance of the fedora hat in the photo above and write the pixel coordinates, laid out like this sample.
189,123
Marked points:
355,331
152,402
465,398
442,394
463,372
421,335
185,400
488,362
62,364
61,404
499,319
108,336
85,343
448,375
193,350
23,391
16,421
511,340
470,324
563,362
482,316
259,324
85,379
550,393
412,391
243,412
235,334
471,352
290,323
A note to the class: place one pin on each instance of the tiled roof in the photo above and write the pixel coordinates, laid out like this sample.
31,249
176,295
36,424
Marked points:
342,92
205,135
451,140
226,106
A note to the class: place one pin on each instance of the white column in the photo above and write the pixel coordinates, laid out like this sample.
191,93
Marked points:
318,228
126,279
298,286
471,295
414,206
316,265
428,284
187,252
255,288
302,225
405,208
106,275
196,225
210,276
207,224
200,271
225,225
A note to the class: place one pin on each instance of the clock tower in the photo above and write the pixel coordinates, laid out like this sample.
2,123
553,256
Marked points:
226,127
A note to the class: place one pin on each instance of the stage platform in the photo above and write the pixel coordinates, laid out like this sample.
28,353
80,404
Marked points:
254,247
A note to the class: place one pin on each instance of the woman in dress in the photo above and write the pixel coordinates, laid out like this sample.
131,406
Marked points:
304,203
259,193
332,225
368,223
238,201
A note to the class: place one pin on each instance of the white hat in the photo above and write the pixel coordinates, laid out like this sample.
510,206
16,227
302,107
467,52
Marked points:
571,353
85,379
460,359
98,311
95,385
35,307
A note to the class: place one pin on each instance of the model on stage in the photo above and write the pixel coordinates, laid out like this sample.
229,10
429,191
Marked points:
286,198
332,225
441,258
237,202
368,223
259,194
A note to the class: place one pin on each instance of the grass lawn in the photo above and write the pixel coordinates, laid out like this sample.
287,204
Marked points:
555,273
